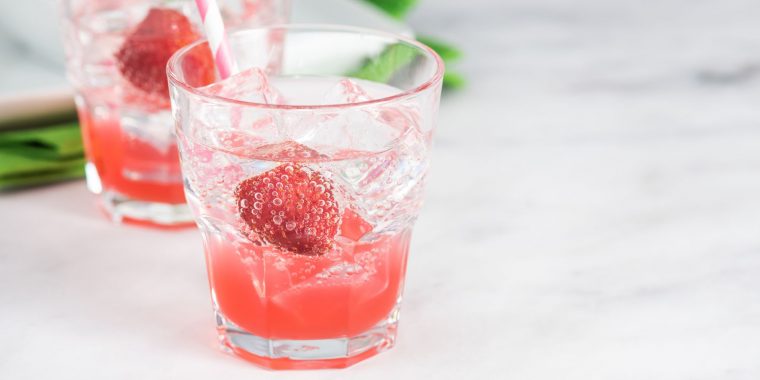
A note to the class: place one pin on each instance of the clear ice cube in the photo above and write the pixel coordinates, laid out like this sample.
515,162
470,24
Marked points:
250,85
346,129
287,151
385,187
346,91
239,129
150,128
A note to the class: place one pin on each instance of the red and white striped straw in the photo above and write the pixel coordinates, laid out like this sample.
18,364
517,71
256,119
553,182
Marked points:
217,37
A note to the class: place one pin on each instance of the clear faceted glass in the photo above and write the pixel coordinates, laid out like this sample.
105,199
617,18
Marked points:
305,173
116,64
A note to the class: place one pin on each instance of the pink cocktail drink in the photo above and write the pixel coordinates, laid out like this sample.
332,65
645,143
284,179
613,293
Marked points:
305,181
116,56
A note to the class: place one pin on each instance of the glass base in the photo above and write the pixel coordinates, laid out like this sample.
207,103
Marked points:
121,209
338,352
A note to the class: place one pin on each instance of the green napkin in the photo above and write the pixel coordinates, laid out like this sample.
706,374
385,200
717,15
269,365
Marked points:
34,156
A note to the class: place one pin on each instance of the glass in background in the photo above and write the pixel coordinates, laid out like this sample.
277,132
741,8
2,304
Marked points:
116,60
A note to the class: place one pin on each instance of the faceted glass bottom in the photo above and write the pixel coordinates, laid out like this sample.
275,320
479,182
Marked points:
338,352
123,209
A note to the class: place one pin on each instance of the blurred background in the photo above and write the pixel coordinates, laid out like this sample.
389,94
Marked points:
34,56
592,210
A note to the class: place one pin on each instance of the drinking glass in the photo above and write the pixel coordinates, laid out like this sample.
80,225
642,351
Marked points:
116,60
305,173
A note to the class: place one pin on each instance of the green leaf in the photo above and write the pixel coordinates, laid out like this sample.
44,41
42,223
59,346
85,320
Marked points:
447,52
395,8
381,68
453,80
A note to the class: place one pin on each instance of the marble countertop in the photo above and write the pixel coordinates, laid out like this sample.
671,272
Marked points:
593,212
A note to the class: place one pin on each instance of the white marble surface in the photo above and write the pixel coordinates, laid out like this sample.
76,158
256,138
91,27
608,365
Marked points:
593,213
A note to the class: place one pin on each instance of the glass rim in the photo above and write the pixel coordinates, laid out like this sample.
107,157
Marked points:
434,79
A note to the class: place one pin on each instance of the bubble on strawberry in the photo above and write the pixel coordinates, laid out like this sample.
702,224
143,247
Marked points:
291,207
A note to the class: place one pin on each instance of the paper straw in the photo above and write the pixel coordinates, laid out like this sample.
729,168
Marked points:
217,37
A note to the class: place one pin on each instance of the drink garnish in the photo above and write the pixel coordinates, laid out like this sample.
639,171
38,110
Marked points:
291,207
143,55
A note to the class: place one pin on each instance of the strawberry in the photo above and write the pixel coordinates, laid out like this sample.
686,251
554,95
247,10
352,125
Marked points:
143,55
291,207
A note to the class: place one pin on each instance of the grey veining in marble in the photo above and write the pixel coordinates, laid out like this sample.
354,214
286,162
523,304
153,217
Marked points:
593,213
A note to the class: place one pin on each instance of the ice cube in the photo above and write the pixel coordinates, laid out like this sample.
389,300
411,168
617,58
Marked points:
151,128
237,129
251,85
346,91
353,226
361,275
287,151
337,133
385,188
351,128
